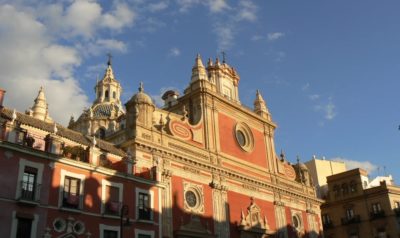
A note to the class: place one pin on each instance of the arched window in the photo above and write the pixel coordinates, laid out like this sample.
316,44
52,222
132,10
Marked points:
102,133
106,94
114,94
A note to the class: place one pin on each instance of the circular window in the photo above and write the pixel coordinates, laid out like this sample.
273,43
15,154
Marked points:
240,138
79,227
191,198
244,137
59,224
296,222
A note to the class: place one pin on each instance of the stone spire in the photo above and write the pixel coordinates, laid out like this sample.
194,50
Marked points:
198,70
108,89
40,107
260,107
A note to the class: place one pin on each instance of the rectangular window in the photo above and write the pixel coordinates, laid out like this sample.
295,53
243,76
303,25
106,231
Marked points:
326,219
24,227
349,213
110,234
71,194
112,200
376,208
28,183
396,204
144,206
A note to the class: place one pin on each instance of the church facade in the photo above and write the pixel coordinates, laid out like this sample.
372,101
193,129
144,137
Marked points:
203,165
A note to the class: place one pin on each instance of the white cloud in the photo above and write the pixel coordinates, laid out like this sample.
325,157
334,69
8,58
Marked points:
121,16
275,36
217,5
44,44
225,36
329,110
314,97
174,52
352,164
247,11
33,60
257,38
82,18
156,7
102,46
185,5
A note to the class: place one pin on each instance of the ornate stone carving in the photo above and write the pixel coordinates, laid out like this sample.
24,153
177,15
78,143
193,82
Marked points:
252,224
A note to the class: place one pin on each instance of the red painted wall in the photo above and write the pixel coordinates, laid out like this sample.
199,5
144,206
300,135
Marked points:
230,146
239,202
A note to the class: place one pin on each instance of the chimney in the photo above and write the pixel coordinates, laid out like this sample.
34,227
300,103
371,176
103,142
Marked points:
2,92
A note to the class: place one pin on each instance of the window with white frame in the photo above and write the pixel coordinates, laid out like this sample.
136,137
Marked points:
109,231
144,204
24,225
71,190
143,233
111,194
29,180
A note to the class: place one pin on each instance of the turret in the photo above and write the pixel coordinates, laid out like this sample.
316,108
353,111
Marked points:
139,111
40,107
260,107
198,70
108,89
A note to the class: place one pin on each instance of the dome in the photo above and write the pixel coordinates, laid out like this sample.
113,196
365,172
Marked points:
141,97
106,110
303,167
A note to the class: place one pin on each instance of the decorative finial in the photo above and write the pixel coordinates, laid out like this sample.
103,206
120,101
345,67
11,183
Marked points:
94,142
109,58
251,200
223,57
13,116
141,87
298,159
55,129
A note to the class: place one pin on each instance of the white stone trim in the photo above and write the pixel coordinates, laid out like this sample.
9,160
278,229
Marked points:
103,227
143,232
81,187
198,191
22,164
151,194
104,184
14,225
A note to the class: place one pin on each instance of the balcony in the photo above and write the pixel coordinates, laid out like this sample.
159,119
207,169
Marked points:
30,193
350,220
112,208
144,214
71,201
377,214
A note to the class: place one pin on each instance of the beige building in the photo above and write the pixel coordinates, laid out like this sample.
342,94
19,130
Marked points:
320,169
355,209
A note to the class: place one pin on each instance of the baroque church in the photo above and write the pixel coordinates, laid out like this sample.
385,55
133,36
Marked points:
202,165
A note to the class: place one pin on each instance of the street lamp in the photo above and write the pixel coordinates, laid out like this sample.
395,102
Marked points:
123,212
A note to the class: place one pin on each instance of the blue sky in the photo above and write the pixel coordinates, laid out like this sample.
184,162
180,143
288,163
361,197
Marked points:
329,70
